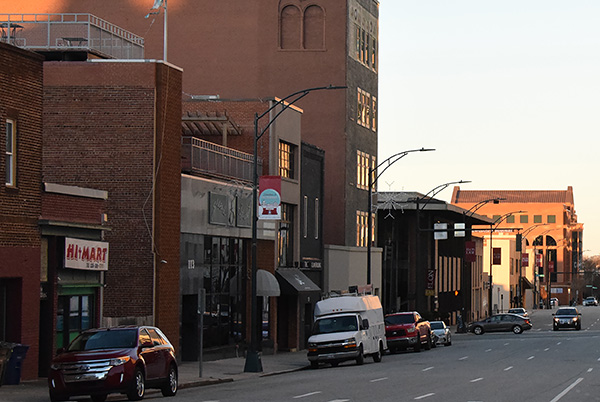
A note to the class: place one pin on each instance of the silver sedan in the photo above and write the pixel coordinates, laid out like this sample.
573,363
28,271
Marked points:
442,332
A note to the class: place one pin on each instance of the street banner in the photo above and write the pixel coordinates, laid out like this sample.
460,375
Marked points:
550,266
539,260
525,260
269,199
497,256
470,251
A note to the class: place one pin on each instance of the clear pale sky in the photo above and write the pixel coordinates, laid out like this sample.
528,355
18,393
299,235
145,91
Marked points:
506,91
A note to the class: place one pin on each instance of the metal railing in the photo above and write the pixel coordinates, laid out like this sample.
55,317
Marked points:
70,31
207,158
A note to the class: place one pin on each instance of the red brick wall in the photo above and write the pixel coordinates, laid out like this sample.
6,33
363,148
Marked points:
69,208
112,126
21,100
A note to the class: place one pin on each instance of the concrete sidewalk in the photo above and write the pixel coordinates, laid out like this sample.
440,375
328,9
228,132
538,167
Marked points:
213,372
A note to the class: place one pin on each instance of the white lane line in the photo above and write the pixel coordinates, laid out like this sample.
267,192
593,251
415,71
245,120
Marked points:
570,387
530,357
558,343
339,400
590,369
508,368
464,358
425,396
488,350
477,379
506,344
309,394
379,379
427,369
547,349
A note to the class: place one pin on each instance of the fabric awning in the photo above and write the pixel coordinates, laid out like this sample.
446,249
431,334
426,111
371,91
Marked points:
294,281
266,284
527,284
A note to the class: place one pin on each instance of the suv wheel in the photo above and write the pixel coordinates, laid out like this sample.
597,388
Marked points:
377,356
170,387
137,388
478,330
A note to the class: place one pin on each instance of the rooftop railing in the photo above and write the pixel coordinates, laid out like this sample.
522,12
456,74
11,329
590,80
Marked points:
206,158
70,31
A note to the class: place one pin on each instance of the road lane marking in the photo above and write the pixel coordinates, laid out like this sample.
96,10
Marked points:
477,379
547,349
379,379
309,394
506,344
488,350
590,369
464,358
558,343
339,400
530,357
570,387
428,368
425,396
508,368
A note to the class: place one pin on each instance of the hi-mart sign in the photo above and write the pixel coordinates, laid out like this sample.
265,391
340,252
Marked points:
85,254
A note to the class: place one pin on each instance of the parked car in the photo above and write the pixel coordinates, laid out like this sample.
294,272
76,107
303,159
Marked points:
567,317
407,330
441,332
500,322
554,302
125,359
519,311
590,301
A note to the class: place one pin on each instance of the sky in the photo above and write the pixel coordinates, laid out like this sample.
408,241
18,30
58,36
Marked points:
506,91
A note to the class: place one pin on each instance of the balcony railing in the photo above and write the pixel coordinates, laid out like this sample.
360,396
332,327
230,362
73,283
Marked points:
210,159
69,31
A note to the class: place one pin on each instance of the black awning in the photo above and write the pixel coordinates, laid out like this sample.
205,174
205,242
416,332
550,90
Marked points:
293,281
526,283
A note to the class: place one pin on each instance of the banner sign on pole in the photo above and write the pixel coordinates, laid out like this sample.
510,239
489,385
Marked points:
470,251
430,282
269,199
550,266
497,255
525,260
538,260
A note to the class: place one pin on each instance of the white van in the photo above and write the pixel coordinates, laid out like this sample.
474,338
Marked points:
347,327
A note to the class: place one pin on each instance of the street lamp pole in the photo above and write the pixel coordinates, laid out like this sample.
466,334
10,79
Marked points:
253,363
390,161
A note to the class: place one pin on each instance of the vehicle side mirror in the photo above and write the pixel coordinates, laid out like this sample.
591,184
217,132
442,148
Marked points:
365,324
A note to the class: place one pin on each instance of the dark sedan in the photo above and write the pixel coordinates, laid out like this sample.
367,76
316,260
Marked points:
500,322
567,317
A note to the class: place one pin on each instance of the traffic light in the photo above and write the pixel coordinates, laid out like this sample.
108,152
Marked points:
456,293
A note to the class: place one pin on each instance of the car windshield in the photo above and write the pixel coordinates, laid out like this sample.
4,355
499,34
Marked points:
590,298
109,339
437,325
335,324
398,319
566,311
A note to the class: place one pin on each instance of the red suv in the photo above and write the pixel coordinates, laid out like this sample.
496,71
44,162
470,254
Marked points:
407,330
122,359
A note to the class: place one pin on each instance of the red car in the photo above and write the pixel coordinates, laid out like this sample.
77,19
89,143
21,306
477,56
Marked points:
114,360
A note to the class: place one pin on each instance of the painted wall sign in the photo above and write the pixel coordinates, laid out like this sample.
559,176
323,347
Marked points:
85,254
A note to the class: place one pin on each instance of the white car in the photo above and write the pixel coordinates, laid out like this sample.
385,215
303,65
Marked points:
590,301
519,311
442,332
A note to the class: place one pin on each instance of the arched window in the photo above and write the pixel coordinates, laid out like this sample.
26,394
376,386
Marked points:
290,28
539,241
314,28
550,241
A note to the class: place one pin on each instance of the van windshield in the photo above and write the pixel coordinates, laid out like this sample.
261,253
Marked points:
335,324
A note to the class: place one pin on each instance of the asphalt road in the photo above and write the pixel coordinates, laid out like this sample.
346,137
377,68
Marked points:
538,365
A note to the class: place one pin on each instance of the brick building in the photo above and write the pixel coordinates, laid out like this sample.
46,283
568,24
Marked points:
115,126
551,236
261,48
20,199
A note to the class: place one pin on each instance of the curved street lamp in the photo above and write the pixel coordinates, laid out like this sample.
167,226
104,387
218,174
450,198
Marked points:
390,161
253,363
